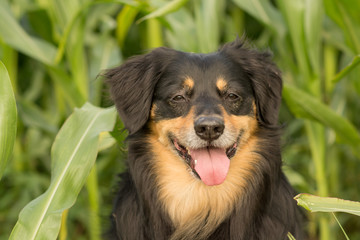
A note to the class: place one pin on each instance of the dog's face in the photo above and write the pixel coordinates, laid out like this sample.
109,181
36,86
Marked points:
204,107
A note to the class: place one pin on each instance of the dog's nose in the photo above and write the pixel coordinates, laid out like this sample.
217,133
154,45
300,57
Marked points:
209,128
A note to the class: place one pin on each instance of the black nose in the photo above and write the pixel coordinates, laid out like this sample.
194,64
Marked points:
209,128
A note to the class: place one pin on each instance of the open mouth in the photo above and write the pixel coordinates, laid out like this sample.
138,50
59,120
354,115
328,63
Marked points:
210,164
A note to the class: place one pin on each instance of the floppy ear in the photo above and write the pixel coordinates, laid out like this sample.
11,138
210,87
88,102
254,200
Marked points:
265,79
132,85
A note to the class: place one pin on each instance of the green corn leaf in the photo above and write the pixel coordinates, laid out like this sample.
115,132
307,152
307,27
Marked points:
77,58
183,27
313,17
15,36
294,12
304,105
342,229
263,11
154,36
327,204
94,220
67,28
290,236
124,21
105,141
8,118
103,55
69,17
347,69
166,9
208,15
32,116
346,16
67,85
81,12
73,155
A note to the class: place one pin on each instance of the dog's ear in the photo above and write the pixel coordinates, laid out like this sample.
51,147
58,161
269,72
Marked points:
132,85
265,79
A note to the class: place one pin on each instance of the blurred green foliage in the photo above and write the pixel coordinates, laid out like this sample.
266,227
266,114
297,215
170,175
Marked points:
54,51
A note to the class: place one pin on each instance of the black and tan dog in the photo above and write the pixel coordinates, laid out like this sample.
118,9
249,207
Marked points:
203,148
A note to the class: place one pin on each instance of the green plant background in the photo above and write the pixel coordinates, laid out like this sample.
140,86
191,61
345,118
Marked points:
54,50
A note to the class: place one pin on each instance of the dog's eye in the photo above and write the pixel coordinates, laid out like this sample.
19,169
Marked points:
178,98
232,97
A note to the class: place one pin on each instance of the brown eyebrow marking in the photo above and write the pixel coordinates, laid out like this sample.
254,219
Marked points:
221,84
189,83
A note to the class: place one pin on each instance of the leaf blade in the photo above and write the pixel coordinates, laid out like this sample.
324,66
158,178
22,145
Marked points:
15,36
327,204
266,13
208,15
347,69
306,106
166,9
8,118
313,19
73,155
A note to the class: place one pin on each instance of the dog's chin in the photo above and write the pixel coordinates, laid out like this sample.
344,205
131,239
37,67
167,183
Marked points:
208,163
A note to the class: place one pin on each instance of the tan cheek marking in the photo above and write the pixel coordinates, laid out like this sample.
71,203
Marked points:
254,108
152,112
162,128
221,84
247,124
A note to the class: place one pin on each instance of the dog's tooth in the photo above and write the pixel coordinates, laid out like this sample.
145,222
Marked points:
195,162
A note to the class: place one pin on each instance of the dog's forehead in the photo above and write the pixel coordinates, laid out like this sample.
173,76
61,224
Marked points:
203,72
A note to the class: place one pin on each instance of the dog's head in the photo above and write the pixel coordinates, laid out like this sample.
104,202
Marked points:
203,106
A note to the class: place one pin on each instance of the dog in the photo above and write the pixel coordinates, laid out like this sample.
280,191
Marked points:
204,159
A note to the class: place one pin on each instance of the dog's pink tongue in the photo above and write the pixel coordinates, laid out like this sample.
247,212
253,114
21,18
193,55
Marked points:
212,164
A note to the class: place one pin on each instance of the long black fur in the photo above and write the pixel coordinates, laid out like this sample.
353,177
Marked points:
267,210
